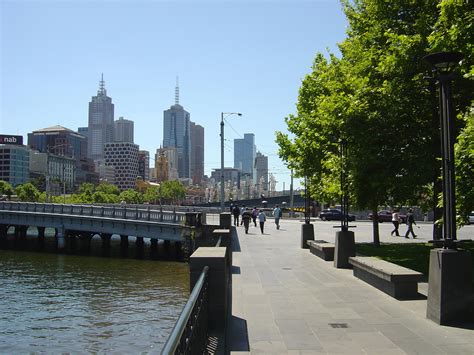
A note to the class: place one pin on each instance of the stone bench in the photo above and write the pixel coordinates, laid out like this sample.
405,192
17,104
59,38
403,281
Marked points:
322,249
395,280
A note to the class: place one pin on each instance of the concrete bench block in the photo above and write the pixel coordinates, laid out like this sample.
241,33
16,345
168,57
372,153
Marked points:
395,280
322,249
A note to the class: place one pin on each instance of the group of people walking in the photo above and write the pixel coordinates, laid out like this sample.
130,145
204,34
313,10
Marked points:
245,215
410,221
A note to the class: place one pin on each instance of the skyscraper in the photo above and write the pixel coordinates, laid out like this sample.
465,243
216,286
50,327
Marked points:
144,164
261,167
197,153
176,133
123,130
244,155
101,122
123,156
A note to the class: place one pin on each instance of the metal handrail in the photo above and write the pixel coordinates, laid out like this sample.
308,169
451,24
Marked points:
179,337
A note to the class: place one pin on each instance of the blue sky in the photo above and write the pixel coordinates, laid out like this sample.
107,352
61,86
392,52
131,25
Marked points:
231,56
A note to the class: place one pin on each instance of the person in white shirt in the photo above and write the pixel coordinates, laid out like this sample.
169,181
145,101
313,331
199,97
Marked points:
396,223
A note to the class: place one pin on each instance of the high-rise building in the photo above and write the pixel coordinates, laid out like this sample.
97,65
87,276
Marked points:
244,155
14,160
101,122
123,130
197,153
144,164
123,156
59,140
261,167
176,133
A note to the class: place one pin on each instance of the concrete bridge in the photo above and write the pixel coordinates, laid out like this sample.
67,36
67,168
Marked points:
84,221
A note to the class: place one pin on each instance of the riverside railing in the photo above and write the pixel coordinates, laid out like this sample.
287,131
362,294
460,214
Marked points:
145,213
189,335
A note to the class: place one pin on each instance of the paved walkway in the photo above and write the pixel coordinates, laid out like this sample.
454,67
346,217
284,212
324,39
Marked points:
288,301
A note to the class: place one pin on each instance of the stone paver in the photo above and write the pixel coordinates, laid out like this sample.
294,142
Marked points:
296,303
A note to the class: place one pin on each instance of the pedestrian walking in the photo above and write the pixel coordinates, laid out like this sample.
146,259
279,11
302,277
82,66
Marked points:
254,216
410,223
396,222
246,217
242,210
262,218
236,213
277,214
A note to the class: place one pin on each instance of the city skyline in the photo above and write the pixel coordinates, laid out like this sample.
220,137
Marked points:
230,57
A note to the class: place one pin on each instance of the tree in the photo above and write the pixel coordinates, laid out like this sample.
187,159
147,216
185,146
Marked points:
172,190
107,188
6,189
152,195
131,196
464,155
27,192
374,97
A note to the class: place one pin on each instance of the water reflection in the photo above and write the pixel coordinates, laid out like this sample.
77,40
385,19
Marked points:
56,303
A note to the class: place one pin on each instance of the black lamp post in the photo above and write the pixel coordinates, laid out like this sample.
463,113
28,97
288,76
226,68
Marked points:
344,193
442,64
450,275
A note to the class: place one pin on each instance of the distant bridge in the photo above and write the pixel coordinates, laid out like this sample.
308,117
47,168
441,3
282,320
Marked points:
85,221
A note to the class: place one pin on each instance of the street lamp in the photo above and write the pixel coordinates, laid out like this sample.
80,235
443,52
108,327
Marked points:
450,275
442,64
223,116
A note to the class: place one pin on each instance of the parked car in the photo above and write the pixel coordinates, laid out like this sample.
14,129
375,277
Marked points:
386,216
470,219
333,214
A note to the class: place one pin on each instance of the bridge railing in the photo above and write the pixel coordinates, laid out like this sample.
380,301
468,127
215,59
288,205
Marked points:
144,213
189,335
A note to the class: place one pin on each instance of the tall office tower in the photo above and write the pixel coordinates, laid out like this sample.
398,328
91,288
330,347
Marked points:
123,130
84,131
197,153
123,156
144,164
176,133
244,155
101,122
261,166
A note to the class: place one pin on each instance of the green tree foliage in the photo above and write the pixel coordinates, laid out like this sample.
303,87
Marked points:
27,192
172,191
376,97
131,196
108,189
152,195
6,189
464,155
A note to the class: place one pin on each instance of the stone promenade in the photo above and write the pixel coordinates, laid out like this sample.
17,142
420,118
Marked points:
287,301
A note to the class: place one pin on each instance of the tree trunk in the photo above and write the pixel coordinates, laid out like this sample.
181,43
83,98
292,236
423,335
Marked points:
375,227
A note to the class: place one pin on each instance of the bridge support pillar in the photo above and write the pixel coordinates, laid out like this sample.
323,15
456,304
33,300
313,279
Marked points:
20,237
41,237
140,246
106,243
3,235
71,242
154,248
85,242
60,239
123,245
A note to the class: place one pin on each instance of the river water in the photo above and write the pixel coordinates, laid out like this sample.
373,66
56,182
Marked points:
52,303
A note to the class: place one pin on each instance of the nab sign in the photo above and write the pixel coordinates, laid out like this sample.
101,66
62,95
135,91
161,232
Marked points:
9,139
